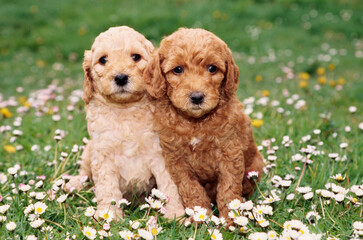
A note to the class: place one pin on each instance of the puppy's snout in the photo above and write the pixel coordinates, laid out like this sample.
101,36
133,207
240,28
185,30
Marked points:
197,98
122,79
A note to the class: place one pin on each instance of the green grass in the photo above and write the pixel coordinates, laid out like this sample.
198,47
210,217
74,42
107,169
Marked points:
265,36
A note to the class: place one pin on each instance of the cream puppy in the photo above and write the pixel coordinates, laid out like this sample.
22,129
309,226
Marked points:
123,157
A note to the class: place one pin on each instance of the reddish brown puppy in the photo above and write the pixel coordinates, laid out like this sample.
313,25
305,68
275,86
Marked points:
206,139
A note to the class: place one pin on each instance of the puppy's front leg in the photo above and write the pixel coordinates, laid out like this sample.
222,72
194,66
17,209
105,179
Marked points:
107,182
77,182
191,191
230,175
174,208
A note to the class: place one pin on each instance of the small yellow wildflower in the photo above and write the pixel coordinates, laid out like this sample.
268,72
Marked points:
257,123
341,81
24,101
258,78
40,63
322,80
265,93
6,113
331,67
10,149
304,76
332,83
33,9
303,84
216,14
320,71
82,31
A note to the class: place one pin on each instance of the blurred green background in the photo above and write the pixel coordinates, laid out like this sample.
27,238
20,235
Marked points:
43,41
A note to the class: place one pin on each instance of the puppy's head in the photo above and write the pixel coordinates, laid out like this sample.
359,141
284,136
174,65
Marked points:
114,66
195,69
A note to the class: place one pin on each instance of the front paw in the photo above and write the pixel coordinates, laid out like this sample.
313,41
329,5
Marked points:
75,183
172,212
110,213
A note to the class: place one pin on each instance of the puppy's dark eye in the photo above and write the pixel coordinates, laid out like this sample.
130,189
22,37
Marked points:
136,57
212,68
103,60
178,70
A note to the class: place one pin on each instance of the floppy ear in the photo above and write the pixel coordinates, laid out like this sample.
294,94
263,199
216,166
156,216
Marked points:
231,77
154,78
88,88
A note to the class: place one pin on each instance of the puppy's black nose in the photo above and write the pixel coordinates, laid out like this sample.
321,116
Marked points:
197,98
121,79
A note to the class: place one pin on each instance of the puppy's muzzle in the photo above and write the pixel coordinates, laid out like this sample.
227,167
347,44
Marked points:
196,98
121,79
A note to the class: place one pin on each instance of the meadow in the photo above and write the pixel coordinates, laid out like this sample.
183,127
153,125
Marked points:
301,81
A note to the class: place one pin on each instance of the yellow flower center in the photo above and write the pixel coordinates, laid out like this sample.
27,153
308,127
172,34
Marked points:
302,232
260,211
201,217
127,237
39,210
261,221
214,236
154,231
354,200
339,178
106,216
88,233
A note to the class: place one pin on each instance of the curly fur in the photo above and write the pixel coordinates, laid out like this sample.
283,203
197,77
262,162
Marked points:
208,148
124,155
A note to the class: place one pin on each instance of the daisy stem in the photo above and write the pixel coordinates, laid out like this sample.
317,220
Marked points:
65,214
259,190
57,224
195,231
322,207
301,176
276,223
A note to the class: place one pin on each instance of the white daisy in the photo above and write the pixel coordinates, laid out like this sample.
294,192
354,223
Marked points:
200,215
90,211
4,208
126,234
10,226
234,204
253,175
89,232
123,202
37,223
40,207
104,234
241,221
338,177
272,235
62,198
262,221
258,236
145,234
158,194
215,234
106,215
246,205
31,237
308,196
134,224
304,189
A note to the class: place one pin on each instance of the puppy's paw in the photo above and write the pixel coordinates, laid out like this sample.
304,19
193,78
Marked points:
174,212
76,183
110,213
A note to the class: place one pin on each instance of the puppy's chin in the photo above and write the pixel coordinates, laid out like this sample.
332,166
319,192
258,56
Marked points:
125,96
195,111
